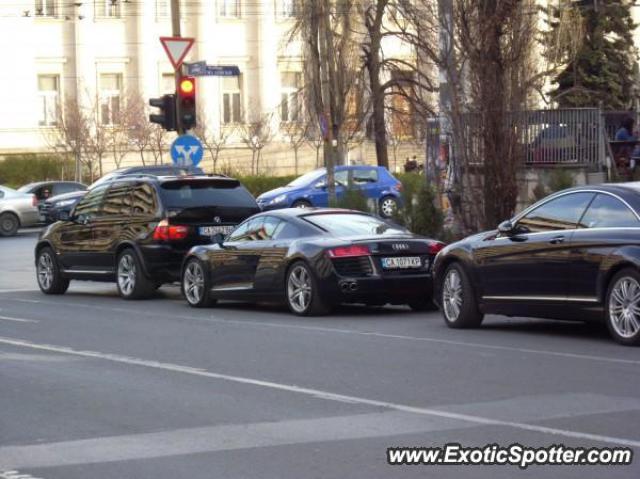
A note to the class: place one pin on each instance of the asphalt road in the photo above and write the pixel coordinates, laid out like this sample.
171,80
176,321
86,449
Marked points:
95,387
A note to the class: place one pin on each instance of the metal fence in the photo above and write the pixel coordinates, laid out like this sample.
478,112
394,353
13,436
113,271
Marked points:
570,137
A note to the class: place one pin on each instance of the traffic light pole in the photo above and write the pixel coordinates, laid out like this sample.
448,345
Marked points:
175,29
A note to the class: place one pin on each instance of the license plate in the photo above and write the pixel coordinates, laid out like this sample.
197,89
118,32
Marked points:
212,230
405,262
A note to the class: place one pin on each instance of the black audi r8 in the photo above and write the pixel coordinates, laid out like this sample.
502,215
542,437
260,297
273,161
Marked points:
574,255
313,259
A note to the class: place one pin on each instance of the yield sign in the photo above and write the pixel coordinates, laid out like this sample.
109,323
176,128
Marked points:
176,48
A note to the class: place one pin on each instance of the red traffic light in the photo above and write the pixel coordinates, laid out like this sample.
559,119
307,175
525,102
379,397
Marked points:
187,86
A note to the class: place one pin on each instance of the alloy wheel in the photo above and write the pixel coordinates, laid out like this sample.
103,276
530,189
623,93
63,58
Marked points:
193,283
45,271
299,289
388,207
624,307
452,295
126,274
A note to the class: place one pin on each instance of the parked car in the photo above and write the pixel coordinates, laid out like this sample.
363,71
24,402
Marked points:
310,189
16,210
136,231
44,190
574,255
51,209
313,259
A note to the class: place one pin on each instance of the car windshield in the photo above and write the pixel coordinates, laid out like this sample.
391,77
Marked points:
26,188
189,194
308,178
105,178
354,224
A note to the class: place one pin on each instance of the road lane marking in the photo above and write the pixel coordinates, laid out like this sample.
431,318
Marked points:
18,320
225,437
272,324
327,395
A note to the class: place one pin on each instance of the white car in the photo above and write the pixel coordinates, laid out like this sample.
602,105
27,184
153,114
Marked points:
17,210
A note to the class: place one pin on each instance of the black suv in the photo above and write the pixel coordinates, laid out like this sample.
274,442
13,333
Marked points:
136,231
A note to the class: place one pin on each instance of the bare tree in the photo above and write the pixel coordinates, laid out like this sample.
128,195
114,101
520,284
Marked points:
213,139
256,134
139,131
158,143
70,136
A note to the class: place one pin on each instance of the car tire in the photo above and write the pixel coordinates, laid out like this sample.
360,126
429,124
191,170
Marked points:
48,273
9,224
302,293
388,206
195,284
301,204
459,306
130,278
426,304
623,322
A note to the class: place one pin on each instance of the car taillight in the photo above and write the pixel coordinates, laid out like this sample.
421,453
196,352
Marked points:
34,200
435,247
166,232
349,251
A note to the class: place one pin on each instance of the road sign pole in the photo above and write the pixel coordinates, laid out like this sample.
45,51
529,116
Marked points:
175,30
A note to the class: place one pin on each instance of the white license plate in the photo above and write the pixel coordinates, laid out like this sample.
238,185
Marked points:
405,262
212,230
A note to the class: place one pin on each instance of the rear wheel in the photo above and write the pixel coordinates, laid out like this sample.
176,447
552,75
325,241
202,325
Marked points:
423,305
132,283
301,204
302,294
50,279
195,285
9,224
623,307
458,300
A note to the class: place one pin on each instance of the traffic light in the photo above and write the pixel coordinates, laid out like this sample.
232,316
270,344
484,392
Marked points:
167,117
186,104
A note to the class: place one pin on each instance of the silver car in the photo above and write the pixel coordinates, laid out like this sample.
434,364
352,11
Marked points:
17,210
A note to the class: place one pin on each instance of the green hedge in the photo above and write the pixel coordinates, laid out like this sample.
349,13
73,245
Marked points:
19,170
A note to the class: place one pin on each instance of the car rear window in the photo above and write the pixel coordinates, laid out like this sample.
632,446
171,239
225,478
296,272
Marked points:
187,194
353,224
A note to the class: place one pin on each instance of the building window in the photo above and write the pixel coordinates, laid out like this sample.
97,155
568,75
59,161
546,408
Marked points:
290,83
231,100
110,92
402,116
229,8
49,98
287,8
108,8
168,83
46,8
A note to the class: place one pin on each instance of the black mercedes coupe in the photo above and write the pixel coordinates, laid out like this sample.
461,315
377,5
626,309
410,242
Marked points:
574,255
313,259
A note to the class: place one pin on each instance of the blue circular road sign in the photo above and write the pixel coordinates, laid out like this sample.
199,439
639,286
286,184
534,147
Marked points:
186,150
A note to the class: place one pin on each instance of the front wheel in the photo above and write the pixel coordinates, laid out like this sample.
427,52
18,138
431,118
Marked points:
301,204
459,305
195,285
388,206
9,224
302,295
50,279
623,307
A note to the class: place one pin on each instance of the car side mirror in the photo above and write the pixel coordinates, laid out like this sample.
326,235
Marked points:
218,239
506,227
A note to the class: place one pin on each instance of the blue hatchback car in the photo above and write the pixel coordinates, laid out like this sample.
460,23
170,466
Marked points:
311,189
